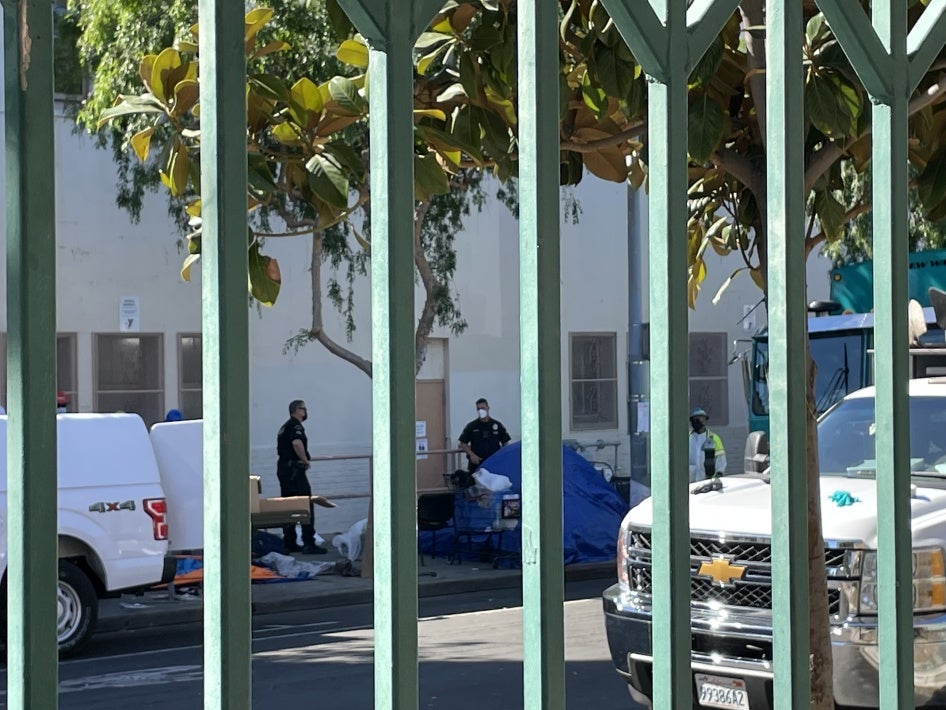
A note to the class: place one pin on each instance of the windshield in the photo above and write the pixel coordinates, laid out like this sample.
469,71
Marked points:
840,361
846,437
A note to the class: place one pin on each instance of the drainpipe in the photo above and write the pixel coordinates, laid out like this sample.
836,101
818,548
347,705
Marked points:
638,341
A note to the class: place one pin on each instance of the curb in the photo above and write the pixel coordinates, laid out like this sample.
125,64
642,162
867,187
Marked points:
190,612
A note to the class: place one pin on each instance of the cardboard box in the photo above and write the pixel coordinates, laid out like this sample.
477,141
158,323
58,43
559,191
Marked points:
279,505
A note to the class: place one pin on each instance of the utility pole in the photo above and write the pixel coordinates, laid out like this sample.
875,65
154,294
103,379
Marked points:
638,337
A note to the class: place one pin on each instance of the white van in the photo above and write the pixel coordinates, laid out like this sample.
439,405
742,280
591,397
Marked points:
113,517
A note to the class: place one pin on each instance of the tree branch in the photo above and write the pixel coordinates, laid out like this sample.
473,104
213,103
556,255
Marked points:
635,131
820,237
425,323
753,18
822,160
741,167
317,332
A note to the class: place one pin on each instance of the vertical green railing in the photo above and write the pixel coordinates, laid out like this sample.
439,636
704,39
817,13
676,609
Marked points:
668,43
227,622
540,356
787,317
890,74
32,658
391,29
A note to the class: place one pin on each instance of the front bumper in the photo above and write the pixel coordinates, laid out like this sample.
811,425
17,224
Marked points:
738,644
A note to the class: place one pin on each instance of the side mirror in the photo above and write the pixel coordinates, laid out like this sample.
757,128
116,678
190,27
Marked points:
757,452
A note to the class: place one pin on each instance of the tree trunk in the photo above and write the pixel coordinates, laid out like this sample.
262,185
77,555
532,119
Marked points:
819,639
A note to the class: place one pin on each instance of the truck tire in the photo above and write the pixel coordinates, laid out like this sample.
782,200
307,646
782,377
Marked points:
77,606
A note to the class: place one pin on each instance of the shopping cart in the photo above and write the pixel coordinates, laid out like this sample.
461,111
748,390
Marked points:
480,518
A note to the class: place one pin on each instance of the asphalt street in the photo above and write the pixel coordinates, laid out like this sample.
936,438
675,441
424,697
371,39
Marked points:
470,649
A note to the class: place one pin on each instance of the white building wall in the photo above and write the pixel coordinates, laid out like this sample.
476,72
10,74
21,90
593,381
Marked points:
102,257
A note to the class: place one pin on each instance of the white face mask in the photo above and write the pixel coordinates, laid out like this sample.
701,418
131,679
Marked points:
482,413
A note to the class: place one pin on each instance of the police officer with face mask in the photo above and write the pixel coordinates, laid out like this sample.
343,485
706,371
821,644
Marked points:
292,446
482,437
707,456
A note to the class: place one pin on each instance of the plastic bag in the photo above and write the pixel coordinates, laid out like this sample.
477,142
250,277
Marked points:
349,544
492,481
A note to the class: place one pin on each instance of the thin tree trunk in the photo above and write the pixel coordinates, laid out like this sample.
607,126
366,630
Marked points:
819,638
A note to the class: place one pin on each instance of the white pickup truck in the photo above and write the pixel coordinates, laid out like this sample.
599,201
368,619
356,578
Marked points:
113,518
730,530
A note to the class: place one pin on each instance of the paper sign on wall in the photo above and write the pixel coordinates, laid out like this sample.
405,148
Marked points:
420,428
129,314
643,417
421,449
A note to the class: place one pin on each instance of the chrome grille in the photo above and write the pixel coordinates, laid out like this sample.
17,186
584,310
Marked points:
754,591
745,594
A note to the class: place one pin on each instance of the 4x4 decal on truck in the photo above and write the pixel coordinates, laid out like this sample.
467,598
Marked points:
101,507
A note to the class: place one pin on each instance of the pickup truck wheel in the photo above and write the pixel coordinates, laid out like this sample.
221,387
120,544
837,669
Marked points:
77,606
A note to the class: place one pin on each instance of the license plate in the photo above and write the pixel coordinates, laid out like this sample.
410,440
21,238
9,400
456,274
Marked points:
717,692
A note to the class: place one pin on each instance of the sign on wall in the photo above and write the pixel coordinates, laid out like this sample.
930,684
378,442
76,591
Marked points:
129,314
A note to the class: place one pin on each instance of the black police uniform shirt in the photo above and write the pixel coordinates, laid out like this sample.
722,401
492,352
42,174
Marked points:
289,432
485,437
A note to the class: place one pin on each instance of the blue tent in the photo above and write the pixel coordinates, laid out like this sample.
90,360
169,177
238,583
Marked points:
593,509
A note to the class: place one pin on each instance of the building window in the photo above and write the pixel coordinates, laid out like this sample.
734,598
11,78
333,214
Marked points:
709,376
66,378
190,375
594,383
129,375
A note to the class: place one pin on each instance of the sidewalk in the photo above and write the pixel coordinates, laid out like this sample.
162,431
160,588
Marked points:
435,578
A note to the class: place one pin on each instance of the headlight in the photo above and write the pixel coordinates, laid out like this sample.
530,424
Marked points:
622,555
929,581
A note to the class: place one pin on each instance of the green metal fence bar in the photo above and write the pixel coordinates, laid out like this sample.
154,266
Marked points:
667,125
925,41
891,371
227,620
668,49
32,658
540,357
391,29
785,232
878,54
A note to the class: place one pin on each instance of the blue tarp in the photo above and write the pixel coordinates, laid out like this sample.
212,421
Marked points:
593,509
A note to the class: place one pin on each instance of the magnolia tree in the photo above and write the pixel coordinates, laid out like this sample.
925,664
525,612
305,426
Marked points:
306,148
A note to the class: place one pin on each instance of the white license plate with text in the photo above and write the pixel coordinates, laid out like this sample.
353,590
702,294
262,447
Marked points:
718,692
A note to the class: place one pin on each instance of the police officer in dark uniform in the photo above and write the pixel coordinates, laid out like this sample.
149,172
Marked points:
292,446
482,437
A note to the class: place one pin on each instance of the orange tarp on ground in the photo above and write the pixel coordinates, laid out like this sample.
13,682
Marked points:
196,575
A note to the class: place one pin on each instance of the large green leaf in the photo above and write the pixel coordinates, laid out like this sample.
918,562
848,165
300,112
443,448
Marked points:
831,214
141,143
705,130
328,181
447,142
613,75
343,155
305,103
131,106
178,169
708,63
594,97
186,93
429,177
354,53
345,94
264,276
259,176
167,61
269,87
833,104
